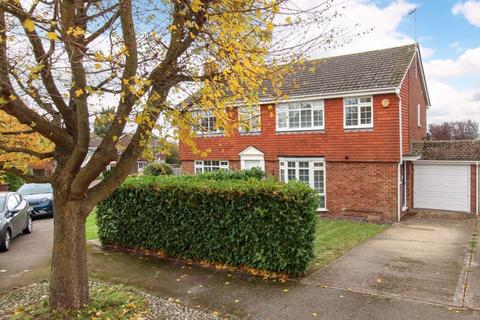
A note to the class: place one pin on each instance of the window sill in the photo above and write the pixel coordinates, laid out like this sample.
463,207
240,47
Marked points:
254,133
300,131
207,135
321,210
358,129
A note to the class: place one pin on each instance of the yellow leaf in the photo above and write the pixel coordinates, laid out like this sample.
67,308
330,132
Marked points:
29,25
98,66
79,92
13,97
3,101
52,36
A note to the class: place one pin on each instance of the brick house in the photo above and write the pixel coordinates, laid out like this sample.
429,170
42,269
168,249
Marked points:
347,129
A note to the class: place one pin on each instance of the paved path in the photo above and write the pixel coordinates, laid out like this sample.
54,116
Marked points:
28,257
422,259
308,298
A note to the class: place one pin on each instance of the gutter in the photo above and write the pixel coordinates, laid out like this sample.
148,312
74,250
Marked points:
399,166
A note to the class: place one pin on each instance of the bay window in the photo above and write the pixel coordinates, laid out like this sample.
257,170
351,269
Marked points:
358,112
306,115
310,171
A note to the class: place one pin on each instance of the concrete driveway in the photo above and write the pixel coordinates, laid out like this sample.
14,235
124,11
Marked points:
425,259
29,257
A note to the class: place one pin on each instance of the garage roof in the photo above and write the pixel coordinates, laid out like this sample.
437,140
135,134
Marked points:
452,150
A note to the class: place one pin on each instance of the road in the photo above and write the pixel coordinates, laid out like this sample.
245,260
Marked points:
29,256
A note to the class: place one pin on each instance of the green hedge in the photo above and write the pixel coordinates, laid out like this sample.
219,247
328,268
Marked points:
158,169
253,173
261,224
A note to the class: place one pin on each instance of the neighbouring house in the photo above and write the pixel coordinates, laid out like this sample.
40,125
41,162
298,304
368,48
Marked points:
123,142
348,129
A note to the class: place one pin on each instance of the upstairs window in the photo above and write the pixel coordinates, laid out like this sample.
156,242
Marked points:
202,166
207,123
419,116
249,119
307,115
358,112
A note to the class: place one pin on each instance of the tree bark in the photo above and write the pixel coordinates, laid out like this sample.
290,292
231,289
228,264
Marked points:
69,277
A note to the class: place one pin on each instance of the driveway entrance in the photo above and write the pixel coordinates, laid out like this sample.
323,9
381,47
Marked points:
426,259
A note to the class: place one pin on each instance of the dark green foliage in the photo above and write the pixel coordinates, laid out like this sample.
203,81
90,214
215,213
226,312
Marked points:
106,173
254,173
158,169
260,224
14,182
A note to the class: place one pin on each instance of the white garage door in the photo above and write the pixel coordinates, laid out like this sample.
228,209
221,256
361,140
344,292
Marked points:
442,186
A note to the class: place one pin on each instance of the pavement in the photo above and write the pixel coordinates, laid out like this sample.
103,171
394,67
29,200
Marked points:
425,259
29,256
410,253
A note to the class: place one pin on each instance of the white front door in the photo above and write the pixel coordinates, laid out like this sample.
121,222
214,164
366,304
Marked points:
442,186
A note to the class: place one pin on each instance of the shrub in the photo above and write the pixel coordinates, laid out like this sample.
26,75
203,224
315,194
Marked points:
260,224
254,173
14,182
158,169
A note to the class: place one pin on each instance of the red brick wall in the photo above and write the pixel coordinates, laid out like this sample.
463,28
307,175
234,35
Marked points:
362,189
334,143
412,94
473,188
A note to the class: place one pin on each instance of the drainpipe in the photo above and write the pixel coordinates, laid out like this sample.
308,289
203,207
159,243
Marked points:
400,163
478,191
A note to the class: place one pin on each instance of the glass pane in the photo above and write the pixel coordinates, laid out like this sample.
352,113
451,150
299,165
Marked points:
317,118
306,118
291,174
282,175
282,119
294,118
321,203
291,164
365,115
351,101
351,116
303,175
318,183
198,170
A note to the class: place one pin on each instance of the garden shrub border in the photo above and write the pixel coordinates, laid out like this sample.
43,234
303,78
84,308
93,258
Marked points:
258,224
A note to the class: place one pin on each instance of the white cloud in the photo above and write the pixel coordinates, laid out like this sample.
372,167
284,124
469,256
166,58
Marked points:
452,104
468,63
470,10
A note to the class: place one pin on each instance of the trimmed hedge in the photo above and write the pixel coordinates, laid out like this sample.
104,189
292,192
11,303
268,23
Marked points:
253,173
260,224
157,169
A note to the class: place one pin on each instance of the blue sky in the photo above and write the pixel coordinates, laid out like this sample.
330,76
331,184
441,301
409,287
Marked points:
449,35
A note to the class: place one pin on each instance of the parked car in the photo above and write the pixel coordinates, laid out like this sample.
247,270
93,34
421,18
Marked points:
14,218
39,197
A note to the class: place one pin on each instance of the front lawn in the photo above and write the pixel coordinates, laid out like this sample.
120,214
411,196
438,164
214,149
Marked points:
91,226
333,238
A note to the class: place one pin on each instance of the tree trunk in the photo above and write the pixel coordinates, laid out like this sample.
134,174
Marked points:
69,277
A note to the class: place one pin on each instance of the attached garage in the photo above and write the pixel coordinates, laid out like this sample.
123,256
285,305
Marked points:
445,176
442,186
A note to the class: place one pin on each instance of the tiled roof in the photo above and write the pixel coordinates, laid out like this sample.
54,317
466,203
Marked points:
460,150
379,69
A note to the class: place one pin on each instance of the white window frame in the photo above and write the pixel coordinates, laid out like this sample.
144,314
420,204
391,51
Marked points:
202,164
316,105
201,114
143,163
252,113
419,116
359,113
314,164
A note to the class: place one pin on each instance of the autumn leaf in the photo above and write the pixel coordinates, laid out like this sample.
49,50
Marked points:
52,36
29,25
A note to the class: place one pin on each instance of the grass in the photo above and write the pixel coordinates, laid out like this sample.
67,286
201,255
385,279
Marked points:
106,302
333,238
91,226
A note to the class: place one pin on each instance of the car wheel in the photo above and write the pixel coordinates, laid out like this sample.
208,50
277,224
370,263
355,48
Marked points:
5,245
29,227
